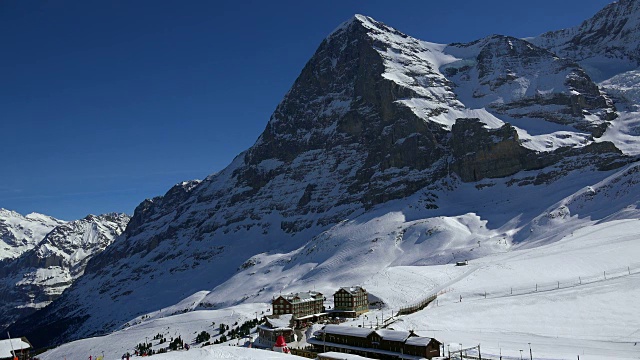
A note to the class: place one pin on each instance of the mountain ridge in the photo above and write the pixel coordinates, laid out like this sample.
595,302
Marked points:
606,44
42,273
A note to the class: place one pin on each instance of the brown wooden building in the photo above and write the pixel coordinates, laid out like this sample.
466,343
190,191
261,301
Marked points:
377,344
351,301
299,304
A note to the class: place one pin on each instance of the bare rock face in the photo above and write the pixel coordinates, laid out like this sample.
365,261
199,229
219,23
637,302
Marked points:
482,153
342,112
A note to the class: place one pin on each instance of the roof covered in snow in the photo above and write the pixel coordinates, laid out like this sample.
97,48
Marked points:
280,322
7,344
347,330
302,296
353,290
393,335
386,334
418,341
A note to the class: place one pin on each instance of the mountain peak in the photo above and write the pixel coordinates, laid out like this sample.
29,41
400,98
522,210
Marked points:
605,45
364,23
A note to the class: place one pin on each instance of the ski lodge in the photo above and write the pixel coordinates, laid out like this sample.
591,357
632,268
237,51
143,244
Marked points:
376,344
350,302
306,307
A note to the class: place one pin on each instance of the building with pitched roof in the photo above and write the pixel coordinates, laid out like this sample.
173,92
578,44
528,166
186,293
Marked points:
377,344
351,301
300,304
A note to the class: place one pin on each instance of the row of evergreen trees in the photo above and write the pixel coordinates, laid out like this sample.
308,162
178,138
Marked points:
202,337
144,349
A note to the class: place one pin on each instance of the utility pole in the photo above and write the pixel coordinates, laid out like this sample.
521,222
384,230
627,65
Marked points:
530,353
520,354
13,352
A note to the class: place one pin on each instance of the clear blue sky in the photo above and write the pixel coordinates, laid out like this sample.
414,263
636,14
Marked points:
106,103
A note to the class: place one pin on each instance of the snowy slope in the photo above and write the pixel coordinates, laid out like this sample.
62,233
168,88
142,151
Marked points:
187,326
21,233
595,319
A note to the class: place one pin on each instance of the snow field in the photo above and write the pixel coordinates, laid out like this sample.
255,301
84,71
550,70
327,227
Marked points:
187,326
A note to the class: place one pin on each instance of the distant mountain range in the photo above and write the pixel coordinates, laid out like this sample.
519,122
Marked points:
42,256
387,151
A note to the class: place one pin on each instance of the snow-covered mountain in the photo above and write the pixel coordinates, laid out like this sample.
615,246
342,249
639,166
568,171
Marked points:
40,275
606,44
518,81
387,152
21,233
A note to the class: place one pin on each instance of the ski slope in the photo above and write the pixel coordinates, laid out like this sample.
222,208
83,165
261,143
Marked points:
596,320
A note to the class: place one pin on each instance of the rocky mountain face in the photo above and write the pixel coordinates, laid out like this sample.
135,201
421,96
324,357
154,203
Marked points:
40,275
606,45
515,79
21,233
375,116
